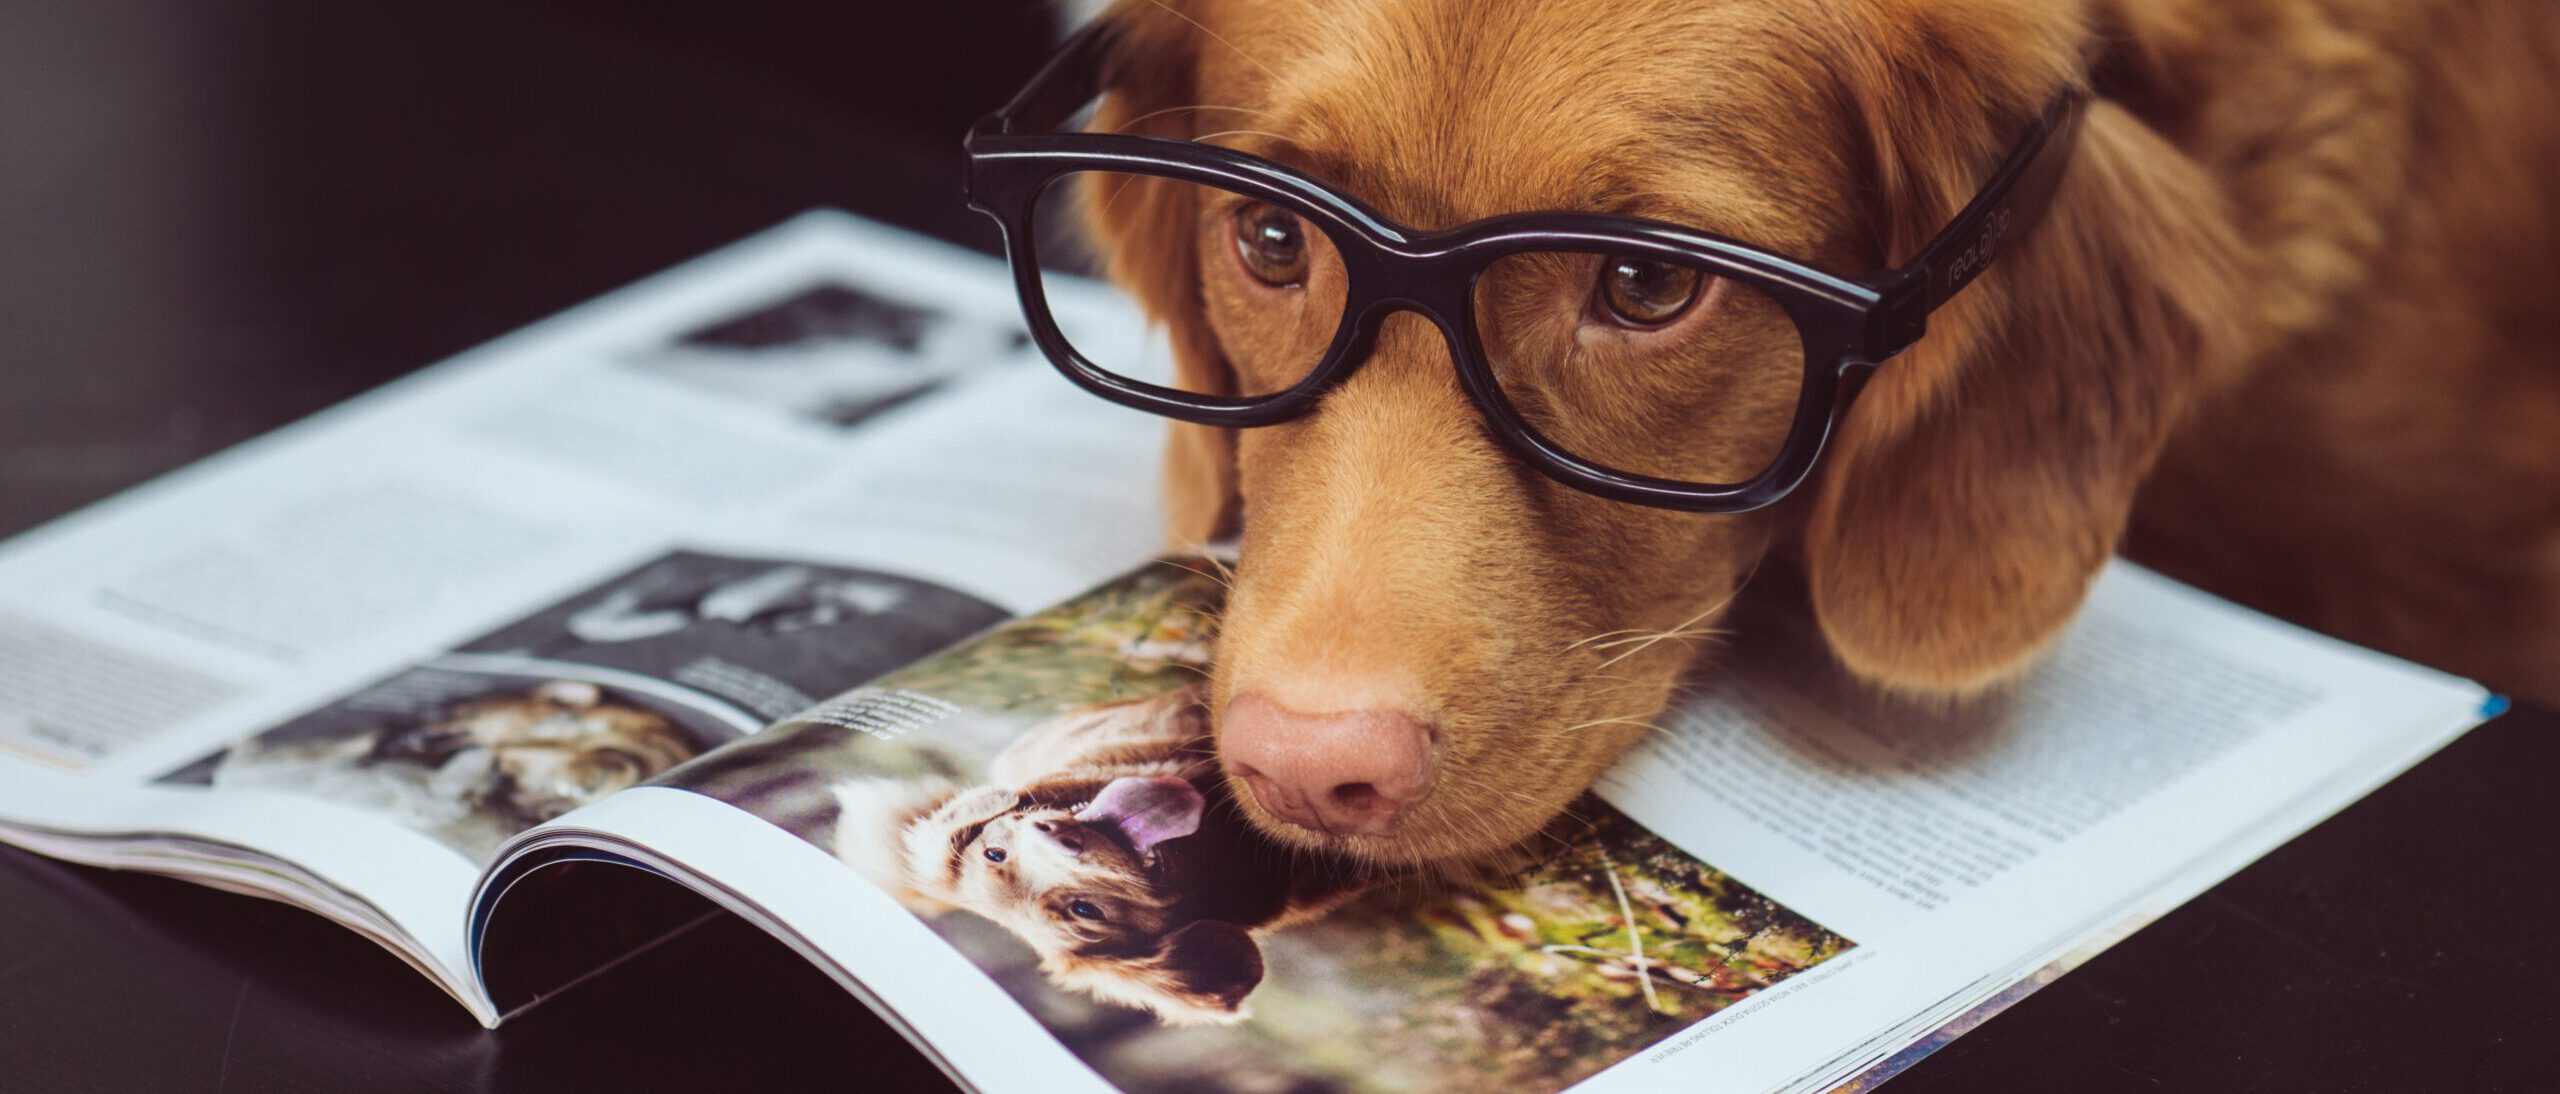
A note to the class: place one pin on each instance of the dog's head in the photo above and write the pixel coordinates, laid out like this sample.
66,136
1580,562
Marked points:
543,753
1079,869
1430,648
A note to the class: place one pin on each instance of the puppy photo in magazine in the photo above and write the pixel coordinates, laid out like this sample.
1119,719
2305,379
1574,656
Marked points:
1103,839
598,692
469,758
1046,799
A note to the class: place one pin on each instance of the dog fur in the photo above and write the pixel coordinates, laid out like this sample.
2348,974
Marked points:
474,774
2286,332
1180,936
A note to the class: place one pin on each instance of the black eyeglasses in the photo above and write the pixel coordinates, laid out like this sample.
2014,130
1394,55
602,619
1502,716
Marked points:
1590,313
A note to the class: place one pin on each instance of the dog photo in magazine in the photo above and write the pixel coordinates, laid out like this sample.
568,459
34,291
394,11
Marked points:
599,692
1062,823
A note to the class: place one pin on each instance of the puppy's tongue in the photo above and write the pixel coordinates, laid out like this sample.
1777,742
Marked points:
1147,811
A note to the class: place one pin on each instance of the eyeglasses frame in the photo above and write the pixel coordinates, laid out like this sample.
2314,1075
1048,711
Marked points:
1848,326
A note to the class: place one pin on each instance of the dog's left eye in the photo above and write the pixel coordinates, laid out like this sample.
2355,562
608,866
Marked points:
1085,909
1273,244
1640,292
995,854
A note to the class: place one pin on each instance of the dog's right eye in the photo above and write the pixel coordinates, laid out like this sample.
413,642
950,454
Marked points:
1639,293
1273,244
994,854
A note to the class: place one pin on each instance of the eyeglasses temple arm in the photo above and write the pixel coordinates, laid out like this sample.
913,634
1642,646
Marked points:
1071,79
2007,206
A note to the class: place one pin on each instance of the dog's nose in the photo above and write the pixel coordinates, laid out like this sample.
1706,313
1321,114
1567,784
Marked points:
1347,772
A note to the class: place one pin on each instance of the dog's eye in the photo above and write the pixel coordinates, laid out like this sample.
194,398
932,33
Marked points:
1273,244
1640,292
995,854
1085,909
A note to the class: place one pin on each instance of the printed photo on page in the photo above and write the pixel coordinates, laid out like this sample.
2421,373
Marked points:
1045,799
832,352
621,682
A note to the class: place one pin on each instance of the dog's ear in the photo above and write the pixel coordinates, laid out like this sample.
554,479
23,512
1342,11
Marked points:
1143,230
1210,966
1197,976
1985,476
872,818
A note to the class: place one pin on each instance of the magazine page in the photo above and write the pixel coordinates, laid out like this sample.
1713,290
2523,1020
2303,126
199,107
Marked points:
1021,850
341,664
1981,849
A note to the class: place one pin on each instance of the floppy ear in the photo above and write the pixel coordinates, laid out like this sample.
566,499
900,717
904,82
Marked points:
1986,475
1211,966
1142,229
1198,976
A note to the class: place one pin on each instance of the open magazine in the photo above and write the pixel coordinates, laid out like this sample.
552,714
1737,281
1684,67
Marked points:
794,579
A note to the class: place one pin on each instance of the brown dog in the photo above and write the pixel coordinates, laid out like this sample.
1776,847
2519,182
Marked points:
1104,841
2289,323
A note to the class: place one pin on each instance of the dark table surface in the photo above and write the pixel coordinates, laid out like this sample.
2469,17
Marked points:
217,218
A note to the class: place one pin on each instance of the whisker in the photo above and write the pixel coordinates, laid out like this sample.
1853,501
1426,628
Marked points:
1642,722
1649,643
1693,627
1653,636
1151,115
1221,564
1120,185
1222,40
1643,639
1225,577
1205,138
1603,634
1619,690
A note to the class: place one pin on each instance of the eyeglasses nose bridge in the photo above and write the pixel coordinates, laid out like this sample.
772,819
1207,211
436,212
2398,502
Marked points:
1445,315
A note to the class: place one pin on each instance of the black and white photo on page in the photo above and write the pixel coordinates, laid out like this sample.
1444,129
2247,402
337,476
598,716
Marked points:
833,351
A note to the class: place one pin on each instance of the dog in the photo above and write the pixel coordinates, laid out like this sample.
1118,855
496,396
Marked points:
478,772
2286,332
1105,841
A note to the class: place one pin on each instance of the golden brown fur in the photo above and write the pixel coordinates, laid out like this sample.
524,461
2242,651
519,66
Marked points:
2296,296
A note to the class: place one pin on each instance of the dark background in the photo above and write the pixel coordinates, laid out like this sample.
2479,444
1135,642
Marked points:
215,218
